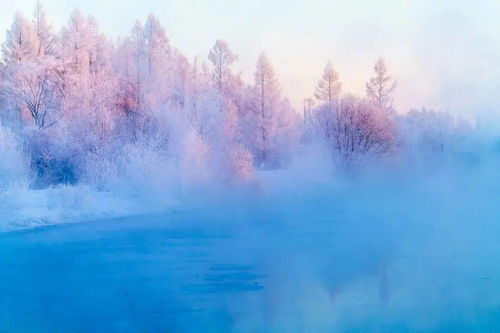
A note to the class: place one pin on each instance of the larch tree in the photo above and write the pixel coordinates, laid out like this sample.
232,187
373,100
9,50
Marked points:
328,87
21,42
90,97
158,74
380,87
143,65
307,110
181,79
221,58
129,62
157,45
100,49
32,82
75,39
327,91
138,49
43,31
195,87
267,113
225,83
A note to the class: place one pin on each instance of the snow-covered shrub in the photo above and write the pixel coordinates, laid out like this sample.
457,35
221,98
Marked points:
193,159
428,132
14,166
146,172
52,160
353,129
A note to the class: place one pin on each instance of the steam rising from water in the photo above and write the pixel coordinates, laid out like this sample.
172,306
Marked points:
392,251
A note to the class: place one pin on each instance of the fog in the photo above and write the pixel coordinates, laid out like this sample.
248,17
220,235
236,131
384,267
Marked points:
303,249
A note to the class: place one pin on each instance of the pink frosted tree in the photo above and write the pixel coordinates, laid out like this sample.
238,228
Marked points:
379,88
129,69
269,116
21,44
35,87
354,129
43,30
221,58
31,79
157,45
328,88
90,88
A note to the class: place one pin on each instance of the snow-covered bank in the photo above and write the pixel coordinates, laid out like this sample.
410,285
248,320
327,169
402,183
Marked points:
22,208
310,186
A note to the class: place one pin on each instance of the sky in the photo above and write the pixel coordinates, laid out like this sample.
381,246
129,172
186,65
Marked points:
444,54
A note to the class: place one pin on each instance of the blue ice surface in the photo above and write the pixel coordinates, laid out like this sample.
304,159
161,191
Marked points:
388,266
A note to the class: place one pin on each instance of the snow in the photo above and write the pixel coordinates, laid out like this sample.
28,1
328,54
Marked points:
23,208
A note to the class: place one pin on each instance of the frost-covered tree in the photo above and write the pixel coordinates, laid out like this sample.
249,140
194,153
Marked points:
86,56
89,104
380,87
157,45
32,82
157,66
226,86
93,107
100,49
308,107
21,42
129,67
426,132
75,44
35,88
181,79
270,117
328,87
84,49
43,31
221,59
265,98
138,48
353,129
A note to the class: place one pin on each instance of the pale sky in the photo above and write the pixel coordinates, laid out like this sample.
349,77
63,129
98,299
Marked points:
444,54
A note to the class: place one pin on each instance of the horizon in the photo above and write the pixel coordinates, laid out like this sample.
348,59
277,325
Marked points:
432,64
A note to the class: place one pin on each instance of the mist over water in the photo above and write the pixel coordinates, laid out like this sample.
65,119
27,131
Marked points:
391,250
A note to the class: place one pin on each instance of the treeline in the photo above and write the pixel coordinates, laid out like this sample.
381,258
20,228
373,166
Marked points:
77,107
